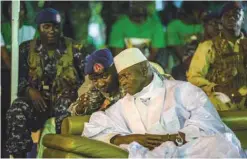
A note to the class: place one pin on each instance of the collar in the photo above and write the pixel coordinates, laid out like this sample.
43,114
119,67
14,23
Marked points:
237,41
148,91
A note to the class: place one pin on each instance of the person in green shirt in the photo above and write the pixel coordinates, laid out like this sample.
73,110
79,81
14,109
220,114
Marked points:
137,29
186,28
26,31
183,36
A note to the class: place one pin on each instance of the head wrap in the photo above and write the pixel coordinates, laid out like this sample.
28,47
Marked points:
127,58
48,15
98,61
229,6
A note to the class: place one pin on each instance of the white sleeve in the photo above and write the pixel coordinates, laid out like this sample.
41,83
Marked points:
104,125
2,40
204,120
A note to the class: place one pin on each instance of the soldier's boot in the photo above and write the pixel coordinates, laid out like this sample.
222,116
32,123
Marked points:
21,155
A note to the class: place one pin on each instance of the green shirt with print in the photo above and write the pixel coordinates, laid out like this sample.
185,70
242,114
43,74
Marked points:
178,33
123,28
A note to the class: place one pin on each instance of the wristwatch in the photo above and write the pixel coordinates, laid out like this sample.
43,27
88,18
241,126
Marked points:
179,140
176,138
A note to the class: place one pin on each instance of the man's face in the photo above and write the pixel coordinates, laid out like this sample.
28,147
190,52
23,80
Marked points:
49,32
138,12
106,81
212,27
132,79
233,19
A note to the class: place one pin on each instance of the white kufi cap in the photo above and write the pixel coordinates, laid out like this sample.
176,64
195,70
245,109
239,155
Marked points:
127,58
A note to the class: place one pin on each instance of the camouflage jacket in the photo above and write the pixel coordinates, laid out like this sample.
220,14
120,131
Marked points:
219,61
52,73
228,67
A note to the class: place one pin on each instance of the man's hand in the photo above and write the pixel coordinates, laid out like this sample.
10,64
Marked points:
83,104
5,56
38,102
149,141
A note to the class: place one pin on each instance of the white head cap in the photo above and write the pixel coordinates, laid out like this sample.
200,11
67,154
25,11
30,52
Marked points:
127,58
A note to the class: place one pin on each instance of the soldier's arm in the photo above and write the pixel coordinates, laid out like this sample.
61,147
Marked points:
5,57
87,103
23,82
199,66
79,53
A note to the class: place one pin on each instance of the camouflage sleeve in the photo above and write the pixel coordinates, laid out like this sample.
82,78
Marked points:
80,54
23,68
87,103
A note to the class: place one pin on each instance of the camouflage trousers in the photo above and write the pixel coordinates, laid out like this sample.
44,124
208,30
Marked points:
22,119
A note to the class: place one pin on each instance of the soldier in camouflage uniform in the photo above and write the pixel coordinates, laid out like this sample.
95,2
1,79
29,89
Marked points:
219,65
50,71
104,92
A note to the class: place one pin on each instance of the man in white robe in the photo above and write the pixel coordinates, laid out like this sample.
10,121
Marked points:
161,118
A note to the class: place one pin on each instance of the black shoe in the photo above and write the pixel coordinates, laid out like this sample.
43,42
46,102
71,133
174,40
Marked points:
21,155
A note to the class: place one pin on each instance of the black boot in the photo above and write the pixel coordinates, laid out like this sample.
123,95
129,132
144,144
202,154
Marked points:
20,155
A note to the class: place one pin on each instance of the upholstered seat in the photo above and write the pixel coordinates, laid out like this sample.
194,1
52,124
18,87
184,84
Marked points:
70,144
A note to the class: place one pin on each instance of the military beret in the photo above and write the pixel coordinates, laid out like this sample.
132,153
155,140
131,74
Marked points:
98,61
48,15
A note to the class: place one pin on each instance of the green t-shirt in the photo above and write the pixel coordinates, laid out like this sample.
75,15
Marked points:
127,34
26,32
179,33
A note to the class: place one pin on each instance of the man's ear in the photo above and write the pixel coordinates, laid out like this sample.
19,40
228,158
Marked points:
144,68
38,27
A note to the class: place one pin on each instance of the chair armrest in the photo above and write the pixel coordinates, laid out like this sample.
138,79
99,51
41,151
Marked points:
83,146
74,125
235,120
53,153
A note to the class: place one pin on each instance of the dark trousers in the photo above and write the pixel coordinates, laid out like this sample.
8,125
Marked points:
179,72
22,119
5,103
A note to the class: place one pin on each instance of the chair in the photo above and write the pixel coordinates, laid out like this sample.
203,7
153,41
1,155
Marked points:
70,143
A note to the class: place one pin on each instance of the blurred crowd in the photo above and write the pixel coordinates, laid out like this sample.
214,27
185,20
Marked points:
176,23
100,24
